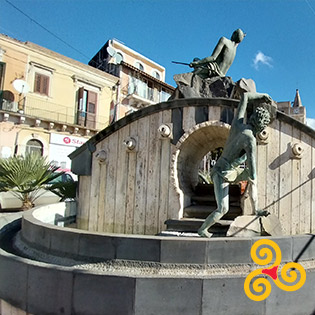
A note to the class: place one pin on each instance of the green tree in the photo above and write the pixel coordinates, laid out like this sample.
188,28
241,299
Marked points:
26,177
64,190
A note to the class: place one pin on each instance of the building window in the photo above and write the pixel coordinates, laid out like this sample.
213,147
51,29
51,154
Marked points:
2,70
156,75
34,146
164,96
87,106
119,58
139,66
41,84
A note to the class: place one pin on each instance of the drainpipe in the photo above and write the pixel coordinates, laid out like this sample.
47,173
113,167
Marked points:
117,103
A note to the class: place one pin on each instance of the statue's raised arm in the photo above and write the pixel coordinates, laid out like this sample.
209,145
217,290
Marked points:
249,98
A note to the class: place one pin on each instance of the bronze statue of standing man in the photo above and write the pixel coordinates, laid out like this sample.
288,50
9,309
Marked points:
240,147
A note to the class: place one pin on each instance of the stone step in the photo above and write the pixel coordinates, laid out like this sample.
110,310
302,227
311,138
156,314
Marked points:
208,189
202,211
210,200
192,225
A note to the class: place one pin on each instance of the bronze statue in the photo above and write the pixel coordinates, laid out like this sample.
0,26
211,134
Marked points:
208,77
221,59
240,147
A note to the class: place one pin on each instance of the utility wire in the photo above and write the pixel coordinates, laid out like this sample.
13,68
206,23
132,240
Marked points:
46,29
310,6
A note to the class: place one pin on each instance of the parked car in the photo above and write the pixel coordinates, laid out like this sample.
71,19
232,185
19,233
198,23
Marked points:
10,202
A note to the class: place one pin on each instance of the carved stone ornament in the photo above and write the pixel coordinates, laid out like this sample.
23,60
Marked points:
101,156
130,144
6,117
165,131
263,136
297,150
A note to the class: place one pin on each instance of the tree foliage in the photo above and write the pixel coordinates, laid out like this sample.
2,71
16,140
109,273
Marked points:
65,190
26,177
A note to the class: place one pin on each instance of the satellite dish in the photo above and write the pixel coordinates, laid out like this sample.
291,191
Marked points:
21,86
118,58
111,51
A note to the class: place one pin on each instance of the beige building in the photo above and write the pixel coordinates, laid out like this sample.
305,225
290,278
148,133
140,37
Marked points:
142,81
48,102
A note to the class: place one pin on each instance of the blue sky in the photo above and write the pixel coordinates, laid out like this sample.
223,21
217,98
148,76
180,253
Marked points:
280,35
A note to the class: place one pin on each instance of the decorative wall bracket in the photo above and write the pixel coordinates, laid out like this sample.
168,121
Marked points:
165,131
131,144
263,137
101,156
297,150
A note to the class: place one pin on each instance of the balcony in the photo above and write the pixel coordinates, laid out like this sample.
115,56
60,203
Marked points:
142,95
49,111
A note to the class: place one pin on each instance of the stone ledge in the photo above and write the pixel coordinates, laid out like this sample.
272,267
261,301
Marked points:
89,246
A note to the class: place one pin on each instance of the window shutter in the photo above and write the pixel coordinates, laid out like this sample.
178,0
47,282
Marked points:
80,98
45,85
41,84
81,116
37,83
91,110
92,97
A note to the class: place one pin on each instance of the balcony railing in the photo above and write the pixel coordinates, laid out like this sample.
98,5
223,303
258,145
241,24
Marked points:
51,111
55,112
148,93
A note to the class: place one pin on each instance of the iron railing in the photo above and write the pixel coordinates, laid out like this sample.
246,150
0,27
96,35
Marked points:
43,109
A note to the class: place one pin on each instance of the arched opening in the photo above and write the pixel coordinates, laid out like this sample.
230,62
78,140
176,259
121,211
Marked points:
34,146
156,75
194,145
198,151
139,66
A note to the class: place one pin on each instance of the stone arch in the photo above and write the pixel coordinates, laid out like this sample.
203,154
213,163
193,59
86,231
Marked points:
191,148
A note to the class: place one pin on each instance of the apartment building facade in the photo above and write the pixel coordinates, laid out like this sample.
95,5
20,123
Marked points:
142,81
49,103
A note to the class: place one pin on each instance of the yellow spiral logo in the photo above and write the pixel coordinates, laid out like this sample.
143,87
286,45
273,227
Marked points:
257,286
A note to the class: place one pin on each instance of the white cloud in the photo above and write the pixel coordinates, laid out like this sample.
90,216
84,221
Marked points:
310,122
262,59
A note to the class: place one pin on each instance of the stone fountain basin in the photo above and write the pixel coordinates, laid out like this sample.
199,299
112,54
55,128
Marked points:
137,274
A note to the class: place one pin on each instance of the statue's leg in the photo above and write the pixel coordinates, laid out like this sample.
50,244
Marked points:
221,191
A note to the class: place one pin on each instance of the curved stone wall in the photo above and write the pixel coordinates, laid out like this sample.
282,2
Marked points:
133,176
90,246
43,288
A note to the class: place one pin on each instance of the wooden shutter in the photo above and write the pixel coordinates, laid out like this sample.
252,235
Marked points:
91,110
41,84
37,83
45,84
81,114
